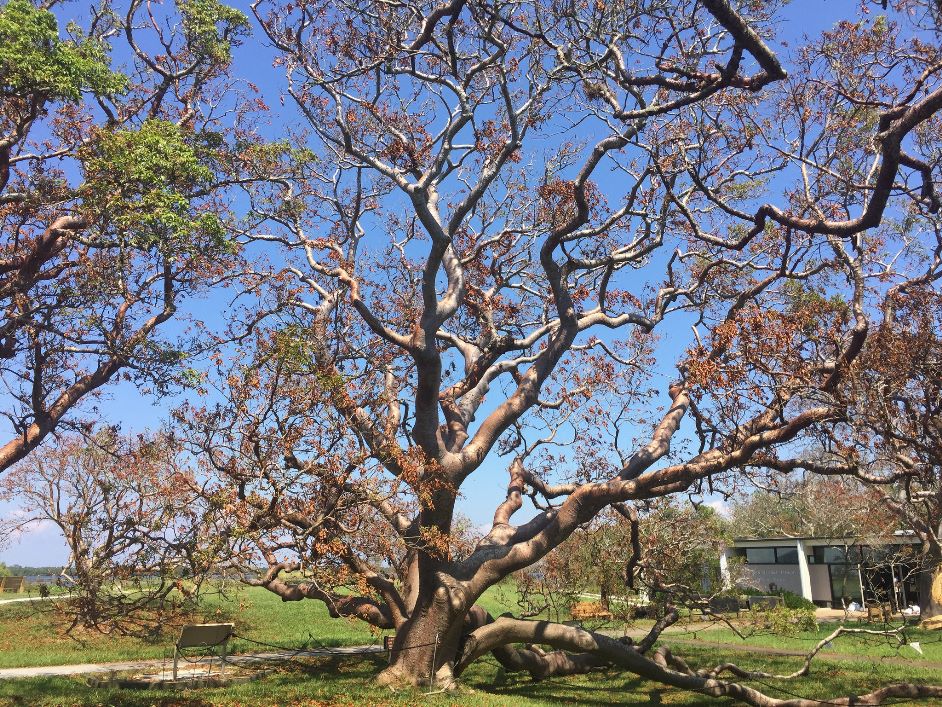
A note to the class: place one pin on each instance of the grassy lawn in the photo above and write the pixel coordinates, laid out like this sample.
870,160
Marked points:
31,636
857,645
319,683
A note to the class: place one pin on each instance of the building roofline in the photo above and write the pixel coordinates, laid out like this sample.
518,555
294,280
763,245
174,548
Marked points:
895,535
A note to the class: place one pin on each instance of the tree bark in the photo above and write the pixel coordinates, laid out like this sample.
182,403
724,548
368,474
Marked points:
930,576
425,646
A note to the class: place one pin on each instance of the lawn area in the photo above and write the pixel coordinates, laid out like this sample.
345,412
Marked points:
324,682
930,642
32,634
34,637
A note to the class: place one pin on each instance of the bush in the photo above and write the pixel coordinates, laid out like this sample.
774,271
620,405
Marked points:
795,601
787,622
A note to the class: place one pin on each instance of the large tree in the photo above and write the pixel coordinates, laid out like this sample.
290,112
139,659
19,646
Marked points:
506,201
812,506
114,198
492,211
140,543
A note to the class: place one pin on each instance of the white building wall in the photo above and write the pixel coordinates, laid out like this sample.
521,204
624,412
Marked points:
820,583
804,573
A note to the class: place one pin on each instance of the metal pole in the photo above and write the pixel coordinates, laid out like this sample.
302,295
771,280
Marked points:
861,583
431,679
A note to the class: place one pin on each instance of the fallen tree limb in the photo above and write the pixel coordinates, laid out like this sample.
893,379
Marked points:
805,669
579,650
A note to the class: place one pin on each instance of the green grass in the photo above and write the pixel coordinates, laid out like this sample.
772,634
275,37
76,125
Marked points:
327,682
34,637
32,634
851,644
345,683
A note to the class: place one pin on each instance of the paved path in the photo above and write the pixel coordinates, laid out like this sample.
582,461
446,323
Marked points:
55,597
688,627
144,665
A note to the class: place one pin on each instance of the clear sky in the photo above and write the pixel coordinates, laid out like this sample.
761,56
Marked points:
126,405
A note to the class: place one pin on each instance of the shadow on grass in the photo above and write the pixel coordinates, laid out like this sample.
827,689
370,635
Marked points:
337,682
324,682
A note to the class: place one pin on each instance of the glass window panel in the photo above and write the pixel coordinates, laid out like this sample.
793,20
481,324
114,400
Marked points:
845,583
760,555
834,555
787,555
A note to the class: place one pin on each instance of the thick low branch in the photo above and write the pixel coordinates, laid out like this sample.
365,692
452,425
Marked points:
338,605
598,649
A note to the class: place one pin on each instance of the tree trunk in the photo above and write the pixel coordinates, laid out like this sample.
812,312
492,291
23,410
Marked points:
426,645
930,588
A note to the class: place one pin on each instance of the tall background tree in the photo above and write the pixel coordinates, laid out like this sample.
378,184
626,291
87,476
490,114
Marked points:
812,506
140,542
114,199
889,430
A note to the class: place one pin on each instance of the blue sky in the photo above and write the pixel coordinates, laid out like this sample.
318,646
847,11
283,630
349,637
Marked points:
126,405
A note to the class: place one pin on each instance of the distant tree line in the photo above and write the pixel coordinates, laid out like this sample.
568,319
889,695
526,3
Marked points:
26,571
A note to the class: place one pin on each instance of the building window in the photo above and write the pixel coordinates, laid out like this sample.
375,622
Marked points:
769,555
845,584
760,555
836,555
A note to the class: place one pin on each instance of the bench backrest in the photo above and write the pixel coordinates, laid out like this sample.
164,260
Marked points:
589,610
765,602
204,635
12,584
723,605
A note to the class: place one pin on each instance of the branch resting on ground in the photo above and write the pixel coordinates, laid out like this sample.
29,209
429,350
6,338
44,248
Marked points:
591,650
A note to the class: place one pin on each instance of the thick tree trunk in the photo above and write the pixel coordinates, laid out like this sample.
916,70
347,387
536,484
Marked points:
930,588
426,645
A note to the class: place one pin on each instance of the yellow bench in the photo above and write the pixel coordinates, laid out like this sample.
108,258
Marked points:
13,584
582,610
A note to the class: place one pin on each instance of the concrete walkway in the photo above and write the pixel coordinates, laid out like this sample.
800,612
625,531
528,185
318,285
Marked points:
55,597
150,665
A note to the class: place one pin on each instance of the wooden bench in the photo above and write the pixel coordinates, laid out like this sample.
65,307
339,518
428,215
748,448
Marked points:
718,605
583,610
13,584
203,636
725,605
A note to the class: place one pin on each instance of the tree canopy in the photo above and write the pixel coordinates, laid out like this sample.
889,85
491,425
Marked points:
474,234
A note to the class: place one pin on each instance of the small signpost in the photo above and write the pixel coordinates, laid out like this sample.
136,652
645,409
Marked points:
203,636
